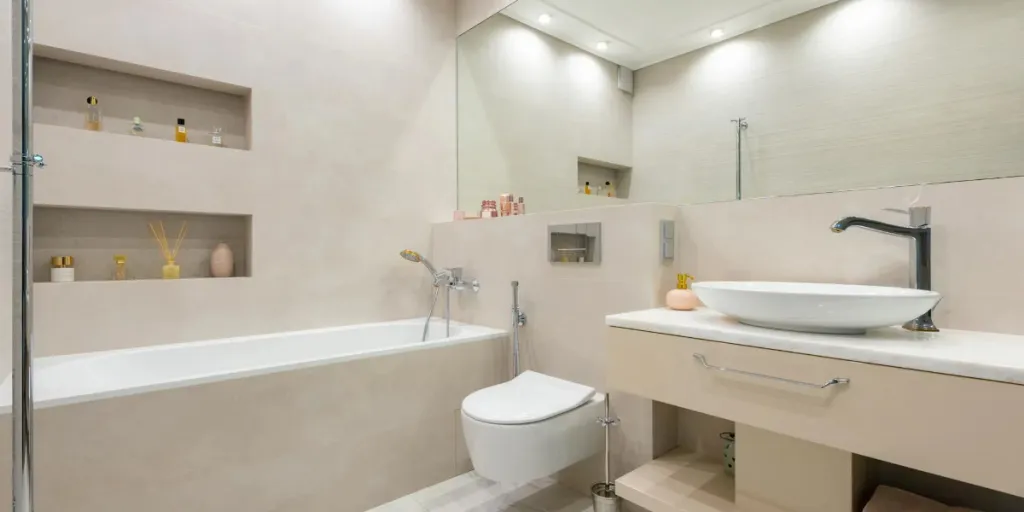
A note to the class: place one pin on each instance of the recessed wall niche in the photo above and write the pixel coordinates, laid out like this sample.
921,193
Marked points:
600,175
93,237
64,80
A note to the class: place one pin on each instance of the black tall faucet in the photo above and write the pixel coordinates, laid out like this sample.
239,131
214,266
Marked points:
920,231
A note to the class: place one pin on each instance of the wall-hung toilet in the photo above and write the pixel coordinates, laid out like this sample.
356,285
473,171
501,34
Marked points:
531,426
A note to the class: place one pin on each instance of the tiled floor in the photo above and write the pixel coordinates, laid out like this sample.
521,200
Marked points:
472,493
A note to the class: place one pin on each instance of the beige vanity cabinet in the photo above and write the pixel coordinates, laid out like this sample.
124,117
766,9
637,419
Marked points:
802,421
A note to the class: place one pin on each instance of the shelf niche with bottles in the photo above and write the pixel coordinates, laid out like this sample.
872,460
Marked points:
602,179
93,237
64,81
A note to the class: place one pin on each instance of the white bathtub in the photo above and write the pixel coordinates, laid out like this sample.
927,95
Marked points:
61,380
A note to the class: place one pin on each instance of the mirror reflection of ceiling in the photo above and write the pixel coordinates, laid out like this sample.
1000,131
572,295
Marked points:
639,33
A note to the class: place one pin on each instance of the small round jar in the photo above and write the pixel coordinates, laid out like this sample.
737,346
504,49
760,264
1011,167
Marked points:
62,269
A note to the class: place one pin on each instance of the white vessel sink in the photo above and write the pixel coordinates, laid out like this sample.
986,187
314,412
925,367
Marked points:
821,308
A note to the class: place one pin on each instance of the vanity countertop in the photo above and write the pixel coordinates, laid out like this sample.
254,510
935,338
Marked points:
980,355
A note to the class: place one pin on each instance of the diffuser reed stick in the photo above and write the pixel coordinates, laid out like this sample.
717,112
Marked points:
171,270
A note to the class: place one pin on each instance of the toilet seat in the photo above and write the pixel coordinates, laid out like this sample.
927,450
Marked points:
531,397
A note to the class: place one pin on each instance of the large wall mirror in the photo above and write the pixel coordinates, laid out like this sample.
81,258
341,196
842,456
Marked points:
576,103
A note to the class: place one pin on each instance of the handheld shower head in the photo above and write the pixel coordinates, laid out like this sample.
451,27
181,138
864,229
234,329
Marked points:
416,257
412,256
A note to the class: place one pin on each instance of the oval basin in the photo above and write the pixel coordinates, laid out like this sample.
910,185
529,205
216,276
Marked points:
814,307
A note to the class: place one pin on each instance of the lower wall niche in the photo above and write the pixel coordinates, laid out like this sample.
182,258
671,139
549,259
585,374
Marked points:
93,237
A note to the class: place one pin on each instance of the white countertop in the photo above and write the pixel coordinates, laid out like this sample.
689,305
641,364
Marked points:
981,355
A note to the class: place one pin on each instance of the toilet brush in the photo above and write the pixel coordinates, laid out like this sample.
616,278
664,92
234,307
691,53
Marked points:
603,494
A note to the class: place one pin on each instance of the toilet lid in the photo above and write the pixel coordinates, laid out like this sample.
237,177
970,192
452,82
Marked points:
528,398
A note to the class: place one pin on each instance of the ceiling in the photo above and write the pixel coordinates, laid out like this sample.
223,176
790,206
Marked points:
642,32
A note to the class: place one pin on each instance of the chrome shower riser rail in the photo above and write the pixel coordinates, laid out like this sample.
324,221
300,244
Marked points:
741,125
22,165
518,320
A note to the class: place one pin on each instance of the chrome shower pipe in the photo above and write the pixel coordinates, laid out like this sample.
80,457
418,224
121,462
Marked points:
741,124
430,314
23,160
518,320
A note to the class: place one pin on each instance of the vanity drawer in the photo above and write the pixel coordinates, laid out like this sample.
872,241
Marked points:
967,429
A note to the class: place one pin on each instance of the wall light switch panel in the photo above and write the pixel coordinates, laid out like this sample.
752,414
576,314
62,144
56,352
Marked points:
668,239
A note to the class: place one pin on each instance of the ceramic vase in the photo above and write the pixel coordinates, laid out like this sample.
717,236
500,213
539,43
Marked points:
222,261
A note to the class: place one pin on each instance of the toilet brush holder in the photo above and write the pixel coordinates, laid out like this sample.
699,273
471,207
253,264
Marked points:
603,493
604,497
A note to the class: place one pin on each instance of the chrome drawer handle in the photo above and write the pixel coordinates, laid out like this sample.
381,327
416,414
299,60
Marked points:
834,382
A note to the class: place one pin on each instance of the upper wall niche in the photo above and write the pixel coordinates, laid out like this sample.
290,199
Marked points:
64,80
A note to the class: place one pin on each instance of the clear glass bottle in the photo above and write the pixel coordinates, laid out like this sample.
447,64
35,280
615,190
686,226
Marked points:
217,138
93,119
137,129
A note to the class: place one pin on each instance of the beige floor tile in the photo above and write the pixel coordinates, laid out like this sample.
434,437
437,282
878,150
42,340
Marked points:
404,504
471,493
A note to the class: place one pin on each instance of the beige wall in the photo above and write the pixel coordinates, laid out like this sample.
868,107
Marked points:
529,106
976,242
468,13
344,437
975,259
353,155
857,94
566,304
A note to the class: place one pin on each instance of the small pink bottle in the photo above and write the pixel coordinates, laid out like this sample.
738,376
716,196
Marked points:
488,209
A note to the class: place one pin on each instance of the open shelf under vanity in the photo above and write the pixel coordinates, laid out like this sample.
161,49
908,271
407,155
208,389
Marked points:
680,481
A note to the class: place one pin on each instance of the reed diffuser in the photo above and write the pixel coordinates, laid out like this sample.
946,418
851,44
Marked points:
171,269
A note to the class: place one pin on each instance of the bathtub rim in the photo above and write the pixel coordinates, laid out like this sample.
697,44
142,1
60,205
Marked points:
476,333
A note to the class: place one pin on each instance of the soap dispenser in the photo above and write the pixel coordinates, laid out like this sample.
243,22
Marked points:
682,298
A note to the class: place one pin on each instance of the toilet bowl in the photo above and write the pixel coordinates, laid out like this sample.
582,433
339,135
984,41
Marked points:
531,426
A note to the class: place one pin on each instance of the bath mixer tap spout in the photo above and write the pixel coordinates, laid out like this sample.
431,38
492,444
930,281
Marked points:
448,278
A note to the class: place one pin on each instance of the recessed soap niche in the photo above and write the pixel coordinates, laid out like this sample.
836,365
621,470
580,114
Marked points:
600,175
64,80
93,237
574,243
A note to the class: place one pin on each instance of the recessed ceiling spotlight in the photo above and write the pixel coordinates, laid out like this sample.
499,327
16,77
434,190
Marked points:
602,46
544,19
717,33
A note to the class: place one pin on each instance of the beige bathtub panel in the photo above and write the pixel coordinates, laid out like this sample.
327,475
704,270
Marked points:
5,459
348,436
